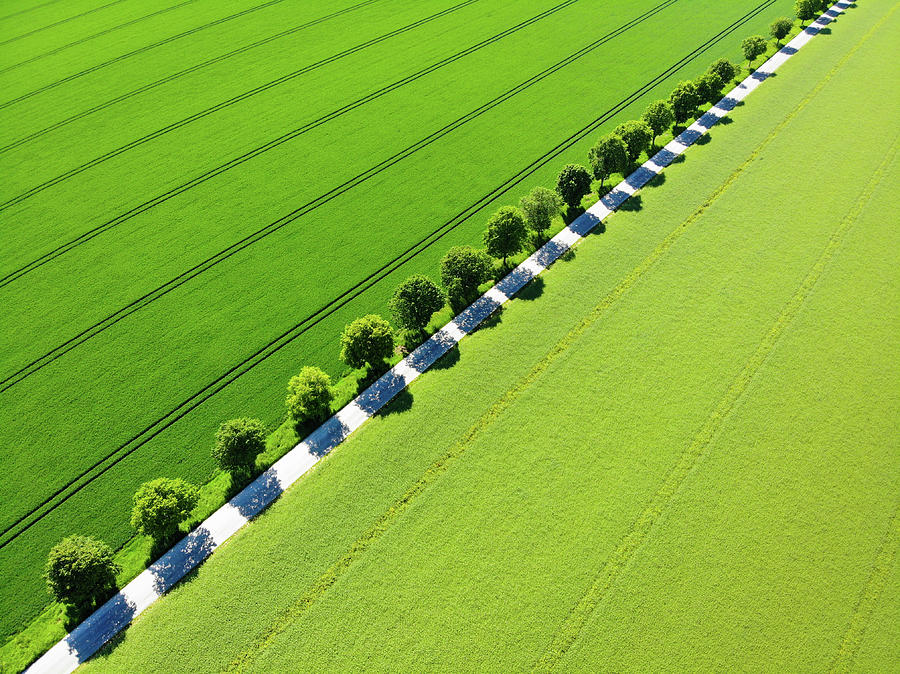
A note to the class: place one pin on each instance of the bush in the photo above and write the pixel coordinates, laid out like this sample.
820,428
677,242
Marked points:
780,28
637,136
573,183
414,301
806,9
725,71
659,116
81,573
367,341
539,207
463,269
505,233
753,47
684,100
238,443
309,395
161,505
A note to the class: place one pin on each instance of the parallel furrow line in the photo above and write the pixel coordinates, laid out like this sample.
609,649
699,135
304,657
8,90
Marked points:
55,23
51,503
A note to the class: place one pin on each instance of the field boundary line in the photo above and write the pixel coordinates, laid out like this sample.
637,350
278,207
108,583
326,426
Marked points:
198,66
865,605
153,45
55,23
267,350
88,38
10,380
193,549
278,140
569,631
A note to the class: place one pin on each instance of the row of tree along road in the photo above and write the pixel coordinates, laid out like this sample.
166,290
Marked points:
81,571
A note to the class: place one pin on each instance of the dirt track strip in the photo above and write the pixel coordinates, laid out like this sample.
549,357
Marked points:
145,48
55,23
88,38
340,190
150,585
235,372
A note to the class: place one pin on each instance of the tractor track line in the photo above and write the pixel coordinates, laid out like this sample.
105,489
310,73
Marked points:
145,48
28,9
290,335
88,38
222,105
36,364
181,73
55,23
275,142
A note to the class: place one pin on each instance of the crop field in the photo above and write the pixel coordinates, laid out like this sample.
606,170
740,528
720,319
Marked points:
677,450
197,196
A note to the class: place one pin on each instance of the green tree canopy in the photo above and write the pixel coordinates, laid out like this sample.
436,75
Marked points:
238,442
367,341
637,136
684,99
161,505
724,70
505,233
659,116
540,206
309,395
806,9
708,87
463,269
753,47
414,301
81,573
608,156
780,28
573,183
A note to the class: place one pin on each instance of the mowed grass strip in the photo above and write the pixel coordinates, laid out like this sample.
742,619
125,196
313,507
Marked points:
514,528
260,392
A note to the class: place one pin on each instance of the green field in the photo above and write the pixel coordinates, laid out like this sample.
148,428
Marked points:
679,450
120,356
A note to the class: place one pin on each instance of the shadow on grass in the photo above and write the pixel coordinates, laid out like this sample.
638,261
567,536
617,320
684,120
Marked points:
448,360
491,321
533,290
400,403
632,204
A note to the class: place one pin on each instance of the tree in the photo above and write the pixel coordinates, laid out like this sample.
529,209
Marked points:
780,28
637,136
81,573
414,301
505,233
608,156
684,100
539,207
309,395
659,116
367,341
238,442
806,10
463,269
161,505
725,70
708,87
753,47
573,183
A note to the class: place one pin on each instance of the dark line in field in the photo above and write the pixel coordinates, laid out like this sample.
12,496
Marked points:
228,103
29,9
310,206
58,23
130,22
135,52
259,150
181,73
290,335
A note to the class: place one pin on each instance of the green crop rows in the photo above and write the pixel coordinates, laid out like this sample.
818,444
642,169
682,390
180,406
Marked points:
197,196
693,465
